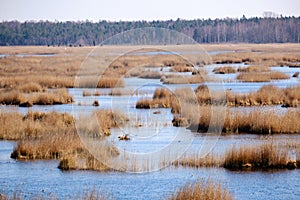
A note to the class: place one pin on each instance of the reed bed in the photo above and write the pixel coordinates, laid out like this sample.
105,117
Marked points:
15,126
15,97
268,57
162,98
261,77
266,95
254,68
179,79
257,121
183,68
224,70
87,93
30,87
150,75
264,156
45,81
268,154
52,135
197,161
202,189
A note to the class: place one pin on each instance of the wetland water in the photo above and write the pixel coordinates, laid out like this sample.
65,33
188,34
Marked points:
32,178
44,178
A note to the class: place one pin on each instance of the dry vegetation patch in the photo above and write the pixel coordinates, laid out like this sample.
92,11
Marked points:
257,122
266,95
205,190
264,156
261,77
53,136
254,68
15,97
224,70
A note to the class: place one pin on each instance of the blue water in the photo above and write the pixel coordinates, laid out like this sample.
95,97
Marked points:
43,178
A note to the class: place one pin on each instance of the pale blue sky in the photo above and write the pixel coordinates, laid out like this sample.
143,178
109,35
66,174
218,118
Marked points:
116,10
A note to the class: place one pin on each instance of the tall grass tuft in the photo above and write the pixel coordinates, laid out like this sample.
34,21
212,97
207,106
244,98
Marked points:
264,156
204,190
261,77
224,70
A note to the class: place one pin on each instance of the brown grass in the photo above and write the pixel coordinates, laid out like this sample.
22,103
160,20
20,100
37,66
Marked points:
269,56
266,95
261,77
30,87
224,70
150,75
52,135
254,69
196,161
183,68
162,98
264,156
178,79
86,93
205,190
257,122
14,97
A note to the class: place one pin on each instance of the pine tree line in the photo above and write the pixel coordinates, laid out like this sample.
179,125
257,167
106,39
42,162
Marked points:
248,30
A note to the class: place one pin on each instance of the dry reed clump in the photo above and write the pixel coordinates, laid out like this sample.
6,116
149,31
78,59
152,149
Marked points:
110,119
254,68
45,81
162,98
150,75
261,77
51,135
178,79
183,68
14,97
30,87
33,124
224,70
294,65
59,96
197,161
83,160
266,95
86,93
203,95
268,57
257,122
230,58
53,146
205,190
264,156
110,82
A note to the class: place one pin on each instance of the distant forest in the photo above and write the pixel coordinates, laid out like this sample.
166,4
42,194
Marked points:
245,30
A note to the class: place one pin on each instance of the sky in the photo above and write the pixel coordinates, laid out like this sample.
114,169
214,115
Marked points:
134,10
